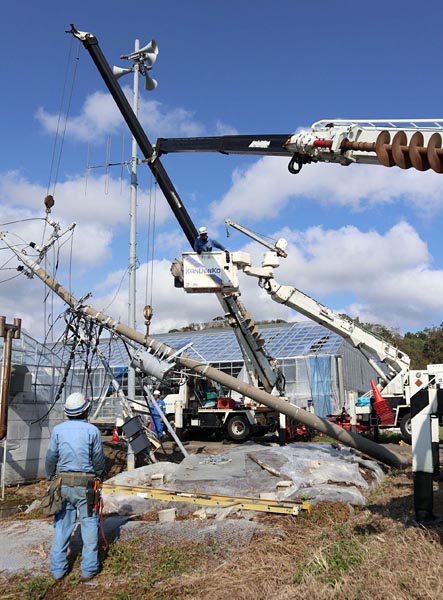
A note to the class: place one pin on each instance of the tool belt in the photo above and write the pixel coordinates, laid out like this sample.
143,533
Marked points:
76,478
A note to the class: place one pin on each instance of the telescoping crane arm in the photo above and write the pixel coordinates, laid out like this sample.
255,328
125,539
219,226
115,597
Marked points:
278,247
404,143
245,330
366,341
360,337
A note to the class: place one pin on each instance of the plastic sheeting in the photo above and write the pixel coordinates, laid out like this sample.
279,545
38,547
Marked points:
313,472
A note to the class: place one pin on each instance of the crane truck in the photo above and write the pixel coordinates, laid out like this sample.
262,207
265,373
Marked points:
406,143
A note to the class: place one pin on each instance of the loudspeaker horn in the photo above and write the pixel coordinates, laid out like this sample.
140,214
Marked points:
148,53
150,84
119,72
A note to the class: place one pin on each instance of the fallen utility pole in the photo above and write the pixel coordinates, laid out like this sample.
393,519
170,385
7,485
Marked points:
283,406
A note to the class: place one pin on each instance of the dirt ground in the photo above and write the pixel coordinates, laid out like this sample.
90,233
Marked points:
337,552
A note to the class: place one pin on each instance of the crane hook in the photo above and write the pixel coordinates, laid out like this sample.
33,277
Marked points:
297,158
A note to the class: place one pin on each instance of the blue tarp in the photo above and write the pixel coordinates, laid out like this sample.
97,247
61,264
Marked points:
320,380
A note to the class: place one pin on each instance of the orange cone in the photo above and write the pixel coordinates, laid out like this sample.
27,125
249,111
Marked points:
115,437
382,408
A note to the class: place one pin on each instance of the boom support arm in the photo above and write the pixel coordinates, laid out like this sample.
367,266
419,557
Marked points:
358,336
268,373
159,172
279,246
366,341
404,143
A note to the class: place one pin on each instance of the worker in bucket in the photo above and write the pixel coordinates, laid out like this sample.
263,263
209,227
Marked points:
205,244
75,453
157,424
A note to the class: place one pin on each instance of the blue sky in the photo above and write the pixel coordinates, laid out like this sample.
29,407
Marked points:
364,240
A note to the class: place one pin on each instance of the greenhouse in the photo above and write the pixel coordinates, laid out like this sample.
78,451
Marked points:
35,405
321,369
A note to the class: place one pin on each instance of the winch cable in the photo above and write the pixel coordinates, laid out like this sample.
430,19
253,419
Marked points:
57,160
62,101
150,241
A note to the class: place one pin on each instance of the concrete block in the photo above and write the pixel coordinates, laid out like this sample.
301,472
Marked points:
268,496
33,506
284,483
168,515
224,512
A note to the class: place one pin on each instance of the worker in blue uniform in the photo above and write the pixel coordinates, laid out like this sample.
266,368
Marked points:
75,453
157,424
205,244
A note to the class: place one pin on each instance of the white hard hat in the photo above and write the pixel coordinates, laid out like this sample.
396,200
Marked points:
202,230
76,404
156,392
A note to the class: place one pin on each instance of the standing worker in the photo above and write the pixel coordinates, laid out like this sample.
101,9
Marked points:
75,453
204,244
157,422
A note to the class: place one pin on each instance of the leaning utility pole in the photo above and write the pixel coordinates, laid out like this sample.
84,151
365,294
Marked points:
283,406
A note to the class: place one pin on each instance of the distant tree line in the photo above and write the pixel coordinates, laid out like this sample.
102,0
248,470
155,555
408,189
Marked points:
423,347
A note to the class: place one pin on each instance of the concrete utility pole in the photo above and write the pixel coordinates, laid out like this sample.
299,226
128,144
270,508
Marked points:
346,437
132,300
143,59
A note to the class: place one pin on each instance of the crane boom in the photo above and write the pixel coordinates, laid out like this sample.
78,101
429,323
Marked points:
267,370
360,337
368,342
396,361
404,143
278,247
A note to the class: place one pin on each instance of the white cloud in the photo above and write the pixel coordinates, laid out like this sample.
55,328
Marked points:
168,122
99,206
99,117
268,187
384,278
363,274
222,128
336,260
